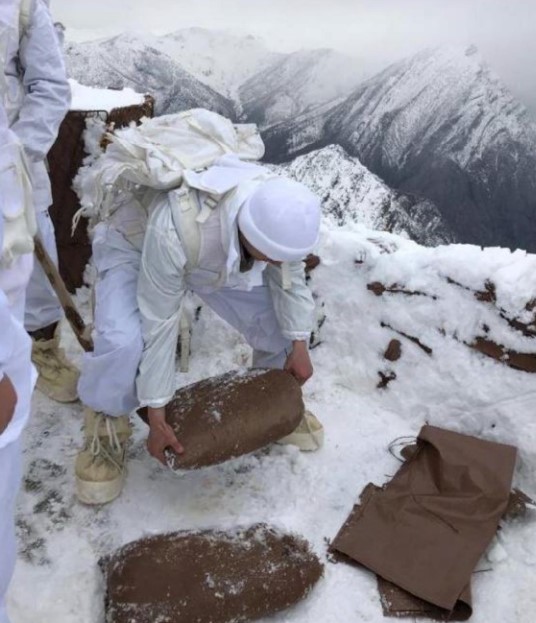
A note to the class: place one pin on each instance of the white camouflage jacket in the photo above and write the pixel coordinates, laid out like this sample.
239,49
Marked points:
37,94
165,275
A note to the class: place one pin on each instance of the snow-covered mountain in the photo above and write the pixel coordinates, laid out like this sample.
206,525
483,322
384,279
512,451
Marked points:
351,193
131,61
297,83
221,60
441,125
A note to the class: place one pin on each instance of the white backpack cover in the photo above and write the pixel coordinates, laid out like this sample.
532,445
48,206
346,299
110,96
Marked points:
161,154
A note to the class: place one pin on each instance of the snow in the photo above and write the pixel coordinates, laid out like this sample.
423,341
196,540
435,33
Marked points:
90,98
57,578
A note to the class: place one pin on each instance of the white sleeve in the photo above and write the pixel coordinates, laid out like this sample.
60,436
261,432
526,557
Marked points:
6,334
294,308
160,294
47,91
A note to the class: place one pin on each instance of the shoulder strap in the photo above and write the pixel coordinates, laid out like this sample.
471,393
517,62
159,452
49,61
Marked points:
25,14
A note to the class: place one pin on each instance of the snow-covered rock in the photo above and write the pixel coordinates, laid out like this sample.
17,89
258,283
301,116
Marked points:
351,193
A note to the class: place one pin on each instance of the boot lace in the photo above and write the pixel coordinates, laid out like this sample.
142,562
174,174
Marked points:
112,447
55,358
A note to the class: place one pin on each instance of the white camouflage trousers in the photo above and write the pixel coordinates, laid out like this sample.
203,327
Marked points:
20,371
108,374
42,305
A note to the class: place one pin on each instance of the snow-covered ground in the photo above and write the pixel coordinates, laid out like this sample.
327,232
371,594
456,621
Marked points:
57,579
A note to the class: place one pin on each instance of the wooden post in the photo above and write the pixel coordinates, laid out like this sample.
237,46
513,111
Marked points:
81,331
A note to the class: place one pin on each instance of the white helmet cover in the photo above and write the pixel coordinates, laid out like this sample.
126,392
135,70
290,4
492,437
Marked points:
281,219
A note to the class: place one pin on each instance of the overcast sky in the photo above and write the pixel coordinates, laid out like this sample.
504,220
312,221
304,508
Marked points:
378,31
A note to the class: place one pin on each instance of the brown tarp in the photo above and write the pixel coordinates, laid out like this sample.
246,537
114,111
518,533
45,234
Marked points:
426,529
208,577
232,414
64,160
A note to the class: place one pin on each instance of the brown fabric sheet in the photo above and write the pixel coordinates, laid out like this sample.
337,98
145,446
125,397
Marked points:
232,414
399,603
426,529
208,577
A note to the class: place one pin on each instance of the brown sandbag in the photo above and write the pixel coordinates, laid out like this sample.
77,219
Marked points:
208,577
427,528
232,414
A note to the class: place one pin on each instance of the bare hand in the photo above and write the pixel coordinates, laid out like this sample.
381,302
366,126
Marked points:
161,436
299,363
8,402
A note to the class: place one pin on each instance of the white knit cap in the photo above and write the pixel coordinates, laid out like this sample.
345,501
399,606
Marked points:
281,219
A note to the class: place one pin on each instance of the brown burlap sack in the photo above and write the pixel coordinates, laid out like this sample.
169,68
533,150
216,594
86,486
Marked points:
233,414
208,577
64,160
426,530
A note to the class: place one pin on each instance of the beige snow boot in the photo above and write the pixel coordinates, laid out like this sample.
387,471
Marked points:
308,436
100,467
58,377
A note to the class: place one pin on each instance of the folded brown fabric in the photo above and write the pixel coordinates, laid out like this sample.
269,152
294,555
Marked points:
399,603
208,577
426,529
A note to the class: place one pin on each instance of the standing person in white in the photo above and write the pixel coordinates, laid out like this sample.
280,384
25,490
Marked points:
37,97
17,227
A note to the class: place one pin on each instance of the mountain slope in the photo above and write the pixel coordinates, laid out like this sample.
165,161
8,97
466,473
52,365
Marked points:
298,83
129,61
350,193
220,60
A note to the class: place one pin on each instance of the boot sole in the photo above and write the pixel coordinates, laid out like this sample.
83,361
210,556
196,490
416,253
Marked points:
97,493
42,387
306,442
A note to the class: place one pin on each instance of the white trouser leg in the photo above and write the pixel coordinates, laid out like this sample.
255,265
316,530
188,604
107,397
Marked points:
14,281
252,314
42,305
108,374
10,477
